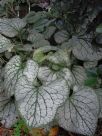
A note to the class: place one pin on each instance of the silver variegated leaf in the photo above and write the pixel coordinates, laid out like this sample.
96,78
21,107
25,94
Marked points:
38,103
46,75
80,112
11,27
90,64
37,39
84,50
79,74
5,44
61,36
12,72
99,95
8,112
61,57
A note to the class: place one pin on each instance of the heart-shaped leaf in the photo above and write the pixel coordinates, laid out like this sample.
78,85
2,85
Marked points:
8,112
5,44
61,36
37,39
37,102
46,75
61,57
11,75
11,27
80,112
84,50
79,74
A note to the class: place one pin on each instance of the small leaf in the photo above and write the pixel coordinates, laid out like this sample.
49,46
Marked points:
37,39
11,27
8,112
80,112
37,102
49,32
61,36
61,57
5,44
46,75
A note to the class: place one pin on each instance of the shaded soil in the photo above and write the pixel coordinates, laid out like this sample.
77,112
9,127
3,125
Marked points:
62,132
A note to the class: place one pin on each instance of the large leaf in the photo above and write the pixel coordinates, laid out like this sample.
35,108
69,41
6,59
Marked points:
5,44
79,74
99,95
11,75
11,27
38,103
8,112
80,112
47,75
84,50
37,39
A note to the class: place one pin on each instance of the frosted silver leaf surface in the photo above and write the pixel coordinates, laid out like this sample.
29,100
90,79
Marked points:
11,27
84,50
80,112
36,101
8,112
11,75
47,75
5,44
61,57
79,75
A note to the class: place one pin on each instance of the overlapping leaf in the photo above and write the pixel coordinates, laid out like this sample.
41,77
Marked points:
61,57
11,27
90,64
79,74
49,32
80,112
8,112
84,50
46,75
37,39
11,75
61,36
5,44
38,102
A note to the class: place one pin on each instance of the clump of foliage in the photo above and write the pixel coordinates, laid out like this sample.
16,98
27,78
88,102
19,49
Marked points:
50,66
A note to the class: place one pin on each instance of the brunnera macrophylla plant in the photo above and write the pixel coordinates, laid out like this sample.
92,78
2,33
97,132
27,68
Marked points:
43,83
